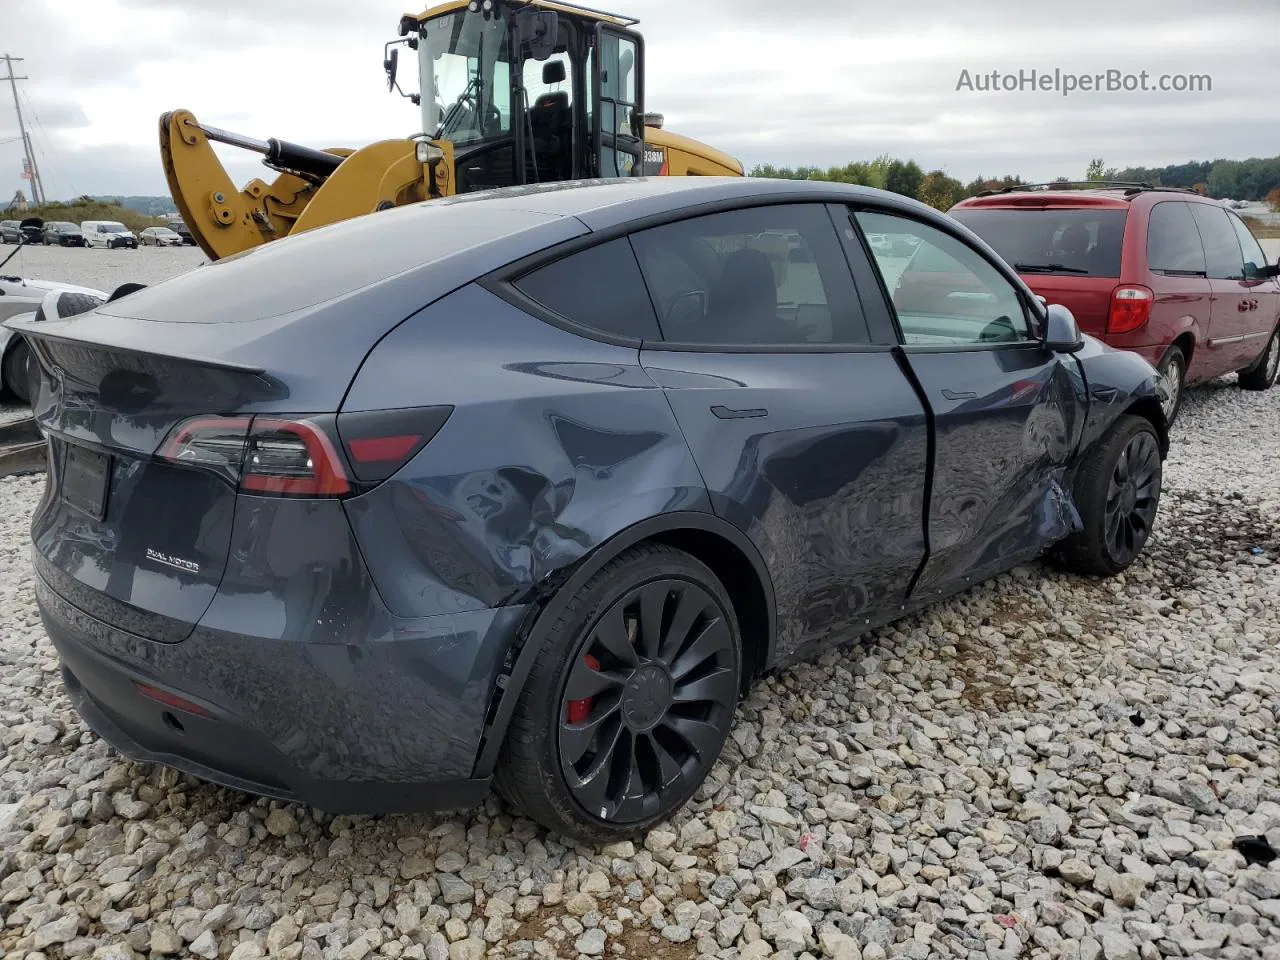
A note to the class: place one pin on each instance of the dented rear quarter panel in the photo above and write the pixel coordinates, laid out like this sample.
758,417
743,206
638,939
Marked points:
555,444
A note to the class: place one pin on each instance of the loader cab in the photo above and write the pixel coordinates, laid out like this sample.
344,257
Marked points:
531,93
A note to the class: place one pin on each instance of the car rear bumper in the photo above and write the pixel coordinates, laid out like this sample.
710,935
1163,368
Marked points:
378,725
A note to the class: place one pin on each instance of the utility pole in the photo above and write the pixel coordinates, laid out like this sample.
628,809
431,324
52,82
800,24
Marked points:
37,188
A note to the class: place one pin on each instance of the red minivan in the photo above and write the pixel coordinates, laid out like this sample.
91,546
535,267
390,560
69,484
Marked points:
1166,273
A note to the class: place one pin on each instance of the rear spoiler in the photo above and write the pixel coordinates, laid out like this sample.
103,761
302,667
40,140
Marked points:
63,329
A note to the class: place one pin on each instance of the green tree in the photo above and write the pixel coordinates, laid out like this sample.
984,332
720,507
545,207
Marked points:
903,177
939,190
1098,170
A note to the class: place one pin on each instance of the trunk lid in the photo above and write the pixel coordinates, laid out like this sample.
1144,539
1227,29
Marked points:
129,538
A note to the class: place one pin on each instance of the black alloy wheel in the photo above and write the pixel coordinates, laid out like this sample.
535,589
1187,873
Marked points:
1132,497
647,700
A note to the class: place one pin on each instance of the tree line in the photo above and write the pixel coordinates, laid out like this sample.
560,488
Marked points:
1253,179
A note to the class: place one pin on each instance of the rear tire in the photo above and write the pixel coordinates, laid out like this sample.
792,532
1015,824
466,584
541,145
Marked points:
1172,383
629,700
1262,375
17,370
1117,492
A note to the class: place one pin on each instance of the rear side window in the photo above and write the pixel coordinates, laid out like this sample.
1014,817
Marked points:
1221,246
1173,242
762,276
599,288
1084,242
1253,255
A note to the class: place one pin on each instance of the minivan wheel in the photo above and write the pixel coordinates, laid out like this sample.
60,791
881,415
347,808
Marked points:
1173,376
1262,375
629,700
1118,494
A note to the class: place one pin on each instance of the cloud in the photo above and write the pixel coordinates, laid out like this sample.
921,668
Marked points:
806,82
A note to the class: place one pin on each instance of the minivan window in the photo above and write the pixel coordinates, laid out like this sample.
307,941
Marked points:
1048,240
1254,258
1173,242
761,276
600,288
1221,246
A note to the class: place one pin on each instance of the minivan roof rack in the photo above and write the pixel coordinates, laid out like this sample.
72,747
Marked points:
1130,187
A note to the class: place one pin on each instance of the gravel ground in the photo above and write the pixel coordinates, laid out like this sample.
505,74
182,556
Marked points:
103,269
1047,766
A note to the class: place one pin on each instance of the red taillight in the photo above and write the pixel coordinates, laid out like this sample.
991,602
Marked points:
1130,308
291,458
380,442
265,455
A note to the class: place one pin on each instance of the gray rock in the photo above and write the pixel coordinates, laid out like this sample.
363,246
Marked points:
61,930
591,943
1118,946
1076,872
205,945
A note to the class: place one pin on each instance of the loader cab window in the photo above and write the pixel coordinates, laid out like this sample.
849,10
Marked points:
616,83
464,77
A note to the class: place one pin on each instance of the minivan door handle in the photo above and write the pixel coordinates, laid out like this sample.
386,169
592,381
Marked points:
728,413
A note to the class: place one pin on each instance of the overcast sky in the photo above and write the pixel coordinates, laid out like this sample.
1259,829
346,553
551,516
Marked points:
784,81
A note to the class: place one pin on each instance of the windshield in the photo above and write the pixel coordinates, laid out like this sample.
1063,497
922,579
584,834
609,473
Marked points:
465,77
64,228
113,228
1082,241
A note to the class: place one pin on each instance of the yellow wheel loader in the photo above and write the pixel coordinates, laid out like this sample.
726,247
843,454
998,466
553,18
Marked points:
509,92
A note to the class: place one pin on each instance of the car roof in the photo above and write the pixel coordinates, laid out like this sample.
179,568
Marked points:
601,204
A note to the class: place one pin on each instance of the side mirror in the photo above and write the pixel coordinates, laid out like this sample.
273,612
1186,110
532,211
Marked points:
392,65
1262,273
536,32
553,72
1061,332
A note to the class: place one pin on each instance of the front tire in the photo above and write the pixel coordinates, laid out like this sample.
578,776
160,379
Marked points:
1262,375
629,700
1117,493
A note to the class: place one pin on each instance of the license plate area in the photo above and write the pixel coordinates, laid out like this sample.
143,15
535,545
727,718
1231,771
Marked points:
84,480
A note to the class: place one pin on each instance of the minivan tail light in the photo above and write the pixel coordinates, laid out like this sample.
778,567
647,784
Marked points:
1130,308
380,442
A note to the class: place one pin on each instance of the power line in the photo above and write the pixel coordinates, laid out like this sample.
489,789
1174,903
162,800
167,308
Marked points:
32,172
41,146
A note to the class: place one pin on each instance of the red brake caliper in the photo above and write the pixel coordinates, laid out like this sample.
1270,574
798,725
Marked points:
579,710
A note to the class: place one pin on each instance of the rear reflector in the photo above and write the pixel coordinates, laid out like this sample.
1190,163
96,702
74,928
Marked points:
1130,308
170,699
380,442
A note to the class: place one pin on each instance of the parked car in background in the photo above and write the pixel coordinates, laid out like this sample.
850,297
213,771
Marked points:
1172,276
10,231
108,233
62,234
183,231
159,237
636,443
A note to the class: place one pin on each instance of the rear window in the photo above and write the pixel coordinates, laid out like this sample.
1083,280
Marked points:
1085,242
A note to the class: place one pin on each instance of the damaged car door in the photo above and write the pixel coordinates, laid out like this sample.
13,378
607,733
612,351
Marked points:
1007,412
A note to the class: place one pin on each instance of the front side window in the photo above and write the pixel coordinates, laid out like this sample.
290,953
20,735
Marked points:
766,275
944,291
1173,242
1254,258
464,76
1222,255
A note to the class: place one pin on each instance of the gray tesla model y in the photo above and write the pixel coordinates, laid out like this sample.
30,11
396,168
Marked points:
527,487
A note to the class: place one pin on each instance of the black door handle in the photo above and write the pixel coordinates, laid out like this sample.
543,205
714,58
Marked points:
728,413
959,394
